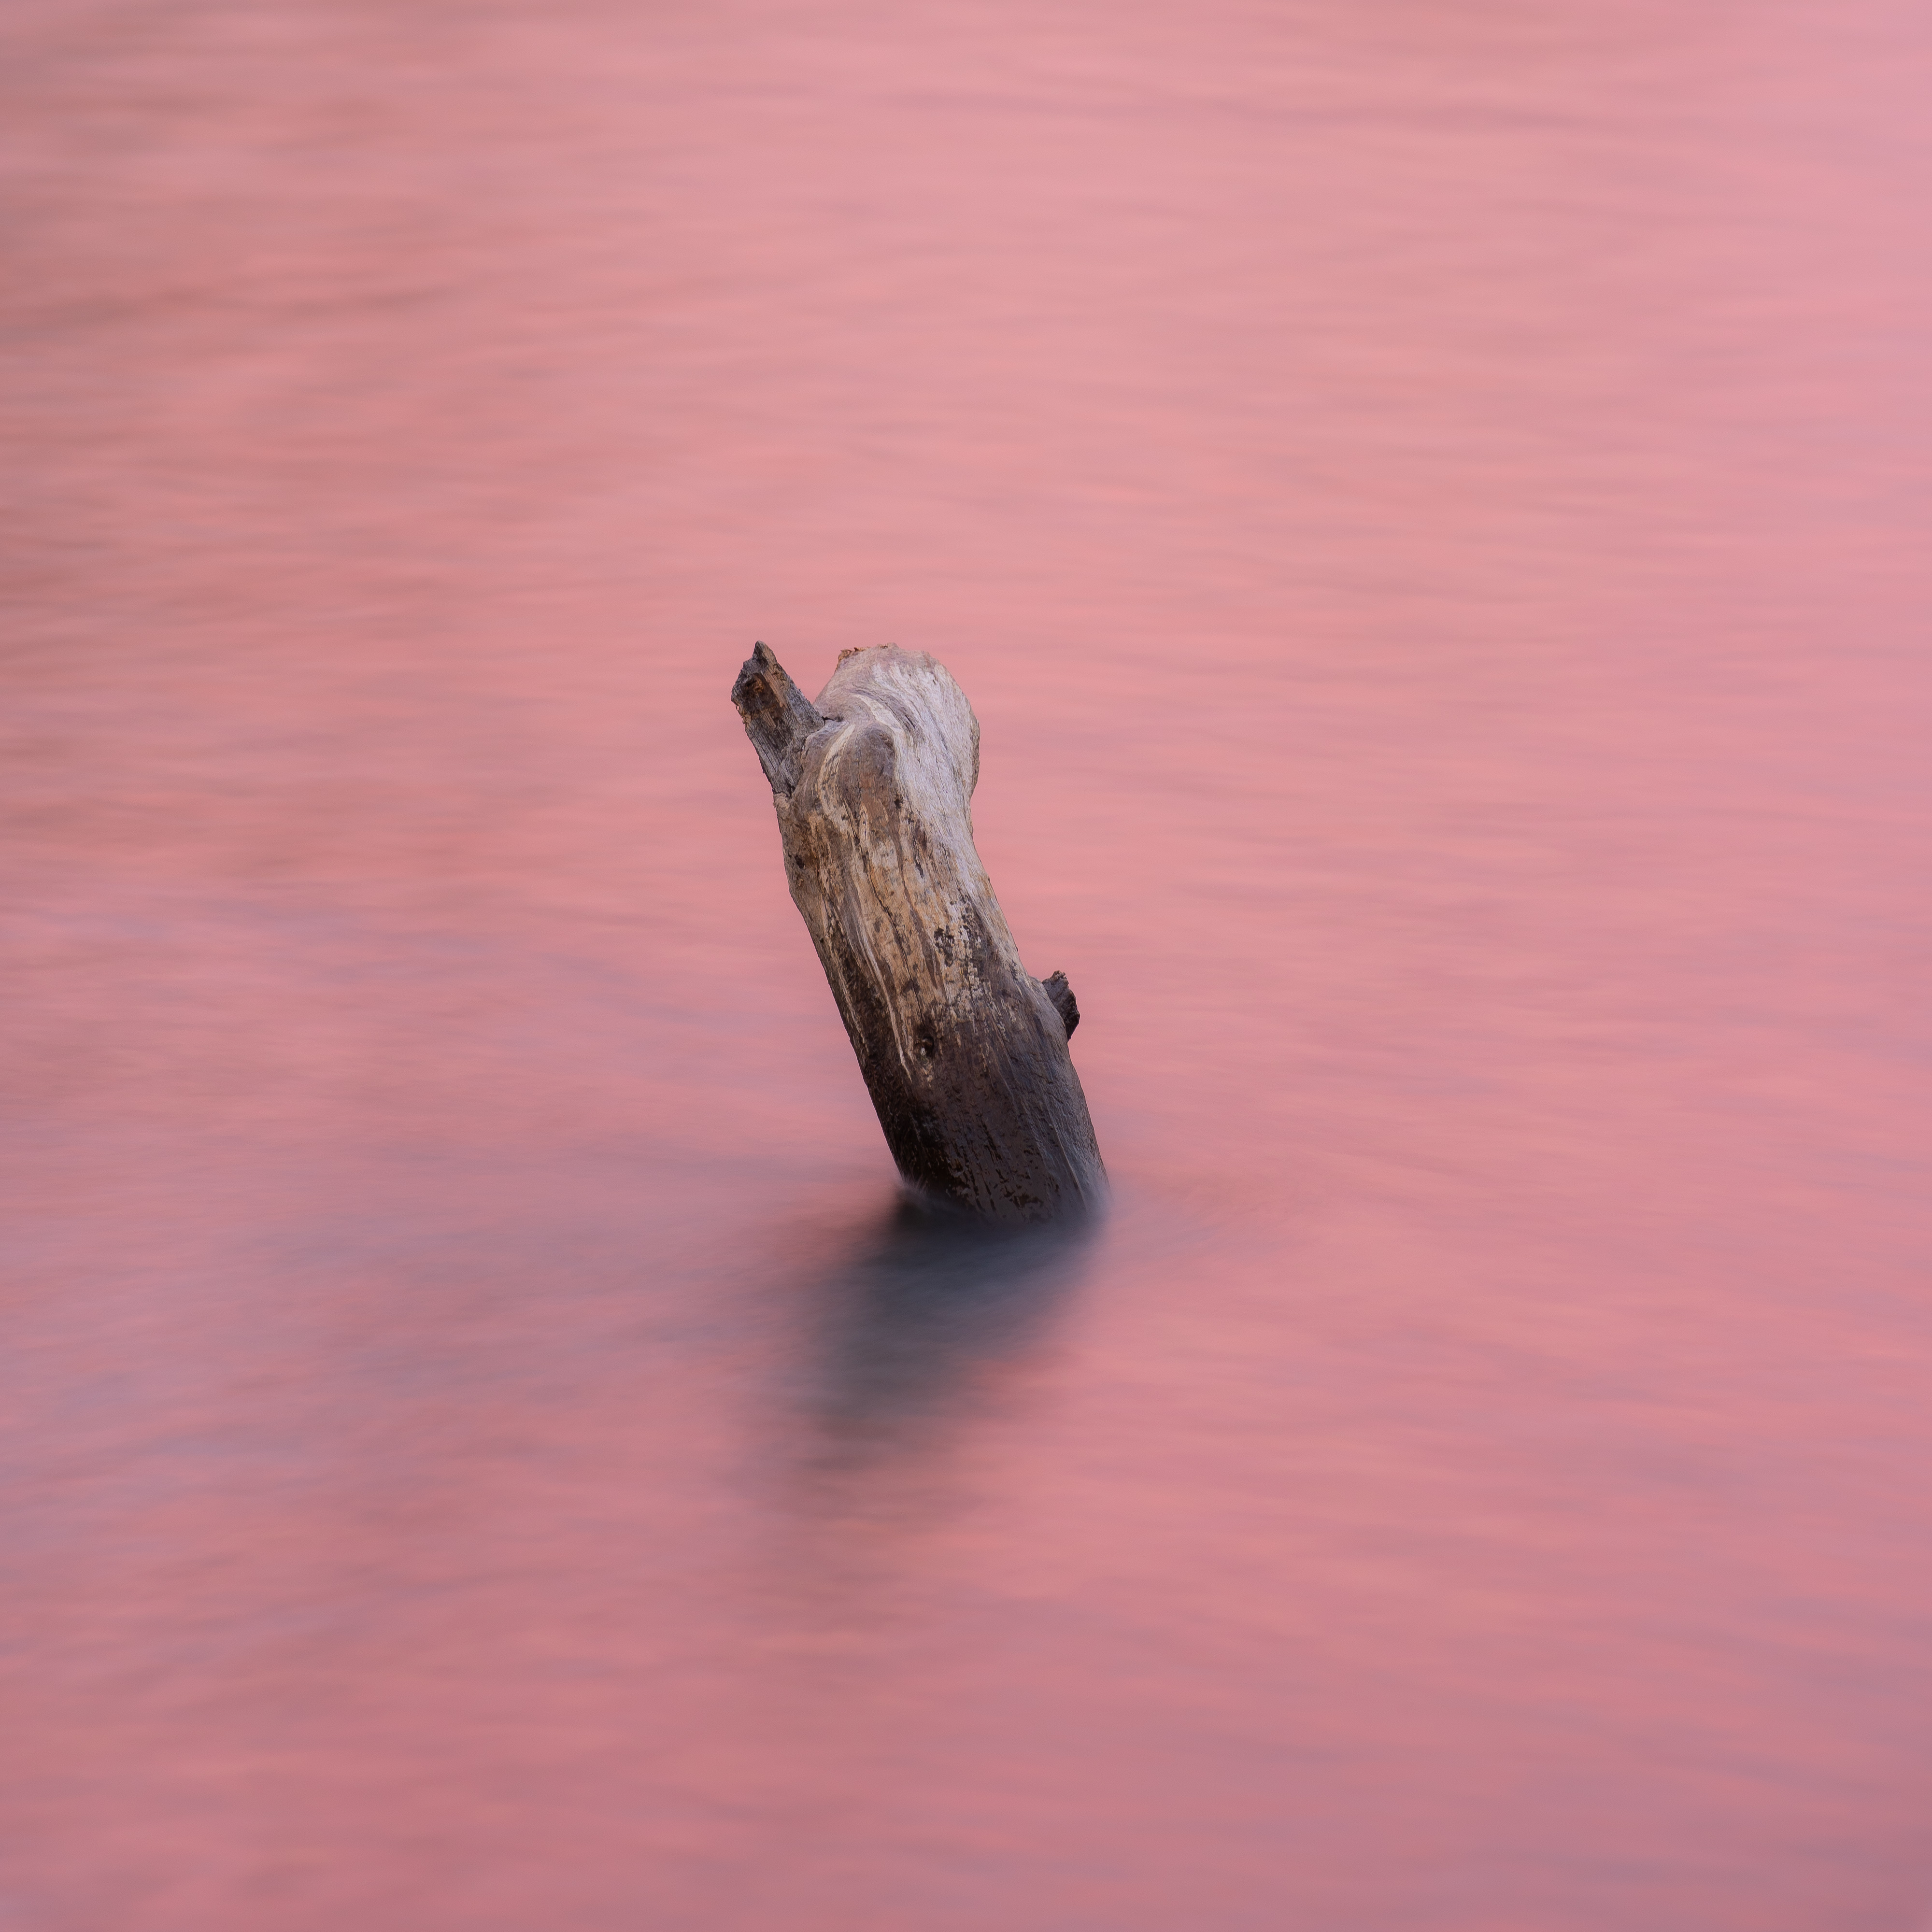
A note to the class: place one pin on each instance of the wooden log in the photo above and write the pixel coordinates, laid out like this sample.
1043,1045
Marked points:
964,1052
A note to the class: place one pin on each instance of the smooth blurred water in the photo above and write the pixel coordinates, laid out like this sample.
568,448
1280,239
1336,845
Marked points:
1430,507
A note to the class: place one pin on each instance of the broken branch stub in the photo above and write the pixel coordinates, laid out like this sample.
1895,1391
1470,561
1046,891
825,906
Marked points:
964,1052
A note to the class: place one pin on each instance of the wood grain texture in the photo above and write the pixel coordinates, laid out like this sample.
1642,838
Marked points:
965,1053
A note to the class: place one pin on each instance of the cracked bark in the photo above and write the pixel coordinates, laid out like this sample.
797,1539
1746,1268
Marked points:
964,1052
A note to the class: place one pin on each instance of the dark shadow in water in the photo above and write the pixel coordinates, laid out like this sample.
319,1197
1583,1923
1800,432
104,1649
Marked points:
926,1304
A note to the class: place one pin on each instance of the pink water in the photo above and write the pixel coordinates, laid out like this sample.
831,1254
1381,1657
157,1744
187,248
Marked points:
1430,506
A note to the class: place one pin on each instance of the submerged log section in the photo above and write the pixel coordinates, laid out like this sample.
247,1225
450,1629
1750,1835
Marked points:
964,1052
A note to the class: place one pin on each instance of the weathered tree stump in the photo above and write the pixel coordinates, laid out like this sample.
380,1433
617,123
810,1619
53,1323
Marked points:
964,1052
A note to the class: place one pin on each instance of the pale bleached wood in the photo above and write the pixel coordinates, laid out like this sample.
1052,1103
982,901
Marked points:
965,1053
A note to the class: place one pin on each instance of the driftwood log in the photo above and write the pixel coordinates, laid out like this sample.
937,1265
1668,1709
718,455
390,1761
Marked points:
964,1052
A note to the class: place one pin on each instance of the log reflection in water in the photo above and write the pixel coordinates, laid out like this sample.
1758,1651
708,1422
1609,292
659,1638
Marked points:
926,1302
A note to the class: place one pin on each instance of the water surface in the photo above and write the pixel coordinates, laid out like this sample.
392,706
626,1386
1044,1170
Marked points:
1429,506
